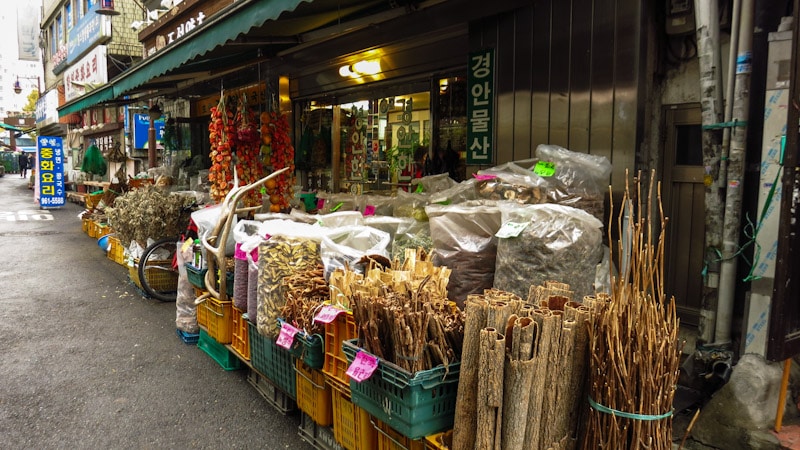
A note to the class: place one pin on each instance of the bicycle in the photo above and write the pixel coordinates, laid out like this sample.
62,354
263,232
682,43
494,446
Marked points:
158,270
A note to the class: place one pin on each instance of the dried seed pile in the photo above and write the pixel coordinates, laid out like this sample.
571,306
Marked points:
306,291
148,212
635,350
403,315
279,257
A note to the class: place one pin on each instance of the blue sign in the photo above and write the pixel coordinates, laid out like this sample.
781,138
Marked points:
90,30
141,124
50,170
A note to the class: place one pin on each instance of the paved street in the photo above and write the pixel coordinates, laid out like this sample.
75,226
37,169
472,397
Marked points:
87,362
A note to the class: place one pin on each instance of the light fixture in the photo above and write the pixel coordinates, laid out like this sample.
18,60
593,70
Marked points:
18,87
361,68
154,112
154,14
107,8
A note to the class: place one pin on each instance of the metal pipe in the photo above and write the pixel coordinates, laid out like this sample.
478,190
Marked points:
735,176
151,138
707,25
729,85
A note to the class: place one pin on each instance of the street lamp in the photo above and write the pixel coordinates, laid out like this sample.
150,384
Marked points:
18,87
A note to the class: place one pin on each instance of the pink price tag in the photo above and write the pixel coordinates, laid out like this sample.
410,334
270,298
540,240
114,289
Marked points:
363,366
327,314
369,210
320,203
286,336
484,177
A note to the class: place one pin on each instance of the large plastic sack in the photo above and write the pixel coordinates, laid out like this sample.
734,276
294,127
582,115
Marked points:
206,220
434,183
464,240
375,205
345,246
185,309
411,234
333,202
460,193
548,242
509,185
577,179
341,219
409,204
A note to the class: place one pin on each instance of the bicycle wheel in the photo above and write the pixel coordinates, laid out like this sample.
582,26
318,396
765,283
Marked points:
158,271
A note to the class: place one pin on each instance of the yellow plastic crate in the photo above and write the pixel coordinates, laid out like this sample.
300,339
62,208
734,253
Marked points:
240,342
391,439
439,441
351,425
217,318
313,394
335,366
116,252
86,225
162,280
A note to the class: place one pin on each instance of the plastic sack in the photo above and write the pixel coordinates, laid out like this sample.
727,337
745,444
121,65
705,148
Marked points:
549,243
460,193
206,220
511,186
387,224
185,309
375,205
245,229
408,204
240,278
463,240
345,246
294,215
341,219
434,183
411,234
335,202
252,287
583,177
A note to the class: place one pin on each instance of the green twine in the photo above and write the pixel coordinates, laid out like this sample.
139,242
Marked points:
627,415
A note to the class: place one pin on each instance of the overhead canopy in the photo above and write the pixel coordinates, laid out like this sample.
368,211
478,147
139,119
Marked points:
99,95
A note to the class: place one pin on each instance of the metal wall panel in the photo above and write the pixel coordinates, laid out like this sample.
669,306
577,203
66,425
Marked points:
571,77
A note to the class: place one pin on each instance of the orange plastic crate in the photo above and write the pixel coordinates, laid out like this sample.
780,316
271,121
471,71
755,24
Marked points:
439,441
335,366
217,317
240,342
390,439
313,394
351,424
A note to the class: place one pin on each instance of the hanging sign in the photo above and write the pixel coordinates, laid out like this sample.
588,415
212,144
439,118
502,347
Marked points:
50,172
480,107
141,125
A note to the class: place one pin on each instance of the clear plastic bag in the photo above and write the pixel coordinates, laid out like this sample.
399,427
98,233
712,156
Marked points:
408,204
375,205
556,243
411,234
434,183
345,246
185,309
463,240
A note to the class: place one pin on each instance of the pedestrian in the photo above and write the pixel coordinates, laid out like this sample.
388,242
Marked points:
32,162
23,164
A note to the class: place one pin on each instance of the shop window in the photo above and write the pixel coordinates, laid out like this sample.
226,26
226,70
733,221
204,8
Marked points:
450,148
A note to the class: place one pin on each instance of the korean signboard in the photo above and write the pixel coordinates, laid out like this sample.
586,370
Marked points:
90,71
90,30
480,107
141,125
50,172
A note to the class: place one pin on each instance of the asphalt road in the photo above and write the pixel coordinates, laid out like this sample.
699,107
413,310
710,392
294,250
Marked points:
86,362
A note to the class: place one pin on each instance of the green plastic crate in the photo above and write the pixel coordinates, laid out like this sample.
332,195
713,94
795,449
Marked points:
197,277
274,362
415,405
310,348
218,352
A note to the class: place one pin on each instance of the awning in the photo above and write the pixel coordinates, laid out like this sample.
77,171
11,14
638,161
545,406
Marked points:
240,19
102,94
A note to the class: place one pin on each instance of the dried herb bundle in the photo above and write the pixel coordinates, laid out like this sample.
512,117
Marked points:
148,212
305,291
634,346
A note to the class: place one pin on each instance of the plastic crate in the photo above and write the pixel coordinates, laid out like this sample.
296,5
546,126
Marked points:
116,252
274,396
274,362
159,279
240,341
319,436
439,441
335,366
187,338
309,348
86,224
391,439
197,277
218,352
351,424
415,405
216,316
313,394
93,199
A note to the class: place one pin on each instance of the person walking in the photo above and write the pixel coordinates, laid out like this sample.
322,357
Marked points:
23,164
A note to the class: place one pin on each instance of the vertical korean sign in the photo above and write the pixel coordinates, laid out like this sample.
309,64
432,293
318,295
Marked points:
50,172
480,107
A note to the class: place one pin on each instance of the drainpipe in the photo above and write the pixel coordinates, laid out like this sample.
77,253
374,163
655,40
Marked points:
707,26
735,175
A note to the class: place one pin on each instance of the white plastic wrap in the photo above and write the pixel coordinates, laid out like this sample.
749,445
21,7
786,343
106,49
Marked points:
206,219
185,309
345,246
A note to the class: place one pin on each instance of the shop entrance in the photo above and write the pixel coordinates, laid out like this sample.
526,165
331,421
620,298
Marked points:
684,202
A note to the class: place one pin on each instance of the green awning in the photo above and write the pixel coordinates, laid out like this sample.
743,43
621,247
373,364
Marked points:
102,94
227,26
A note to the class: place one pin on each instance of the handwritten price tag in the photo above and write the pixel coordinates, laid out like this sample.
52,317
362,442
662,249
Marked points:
286,336
362,367
369,210
545,169
327,314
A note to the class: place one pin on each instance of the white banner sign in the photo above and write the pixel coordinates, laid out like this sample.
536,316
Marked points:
88,74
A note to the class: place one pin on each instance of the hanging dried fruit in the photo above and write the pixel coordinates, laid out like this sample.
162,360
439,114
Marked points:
276,144
221,156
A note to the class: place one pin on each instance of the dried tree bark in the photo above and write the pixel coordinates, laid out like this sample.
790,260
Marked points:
490,390
518,374
466,417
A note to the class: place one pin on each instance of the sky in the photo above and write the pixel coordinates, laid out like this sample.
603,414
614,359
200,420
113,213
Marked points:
10,65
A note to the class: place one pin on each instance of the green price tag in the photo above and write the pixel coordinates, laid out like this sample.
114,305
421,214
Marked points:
263,190
419,189
545,169
511,229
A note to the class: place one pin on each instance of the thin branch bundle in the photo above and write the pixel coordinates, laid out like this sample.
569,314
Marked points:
305,292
